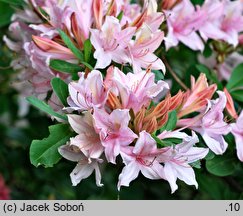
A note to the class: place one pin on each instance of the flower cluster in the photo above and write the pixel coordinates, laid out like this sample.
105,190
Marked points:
217,20
103,55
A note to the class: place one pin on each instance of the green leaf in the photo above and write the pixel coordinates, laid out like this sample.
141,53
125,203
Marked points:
238,95
61,89
78,53
158,75
236,79
45,152
87,50
207,52
197,2
209,74
70,45
44,107
222,165
210,155
14,2
6,12
211,185
196,164
120,15
166,142
171,141
158,141
65,67
171,123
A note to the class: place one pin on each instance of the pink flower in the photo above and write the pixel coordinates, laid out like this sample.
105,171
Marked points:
232,23
211,125
177,159
110,42
39,74
135,90
114,131
141,157
130,12
141,51
213,11
237,131
87,140
27,15
183,22
88,92
85,166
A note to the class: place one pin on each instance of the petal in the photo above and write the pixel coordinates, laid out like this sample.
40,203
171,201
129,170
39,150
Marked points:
80,172
195,154
151,59
68,153
186,174
145,144
98,176
192,40
128,174
120,117
239,146
212,31
126,136
101,119
217,143
171,176
158,88
156,171
81,124
112,150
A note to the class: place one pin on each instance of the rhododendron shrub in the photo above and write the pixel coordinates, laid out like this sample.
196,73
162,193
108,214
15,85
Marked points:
147,87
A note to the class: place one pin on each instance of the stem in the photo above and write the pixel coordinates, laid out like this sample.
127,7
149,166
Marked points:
177,79
5,68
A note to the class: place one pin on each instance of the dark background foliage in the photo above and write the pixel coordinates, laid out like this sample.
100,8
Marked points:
28,182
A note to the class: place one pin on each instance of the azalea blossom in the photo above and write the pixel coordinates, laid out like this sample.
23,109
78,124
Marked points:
211,28
88,92
135,90
110,42
183,21
211,124
114,131
141,51
177,159
232,21
87,140
85,166
141,157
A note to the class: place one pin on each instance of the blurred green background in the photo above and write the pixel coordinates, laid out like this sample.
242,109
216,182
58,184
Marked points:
27,182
